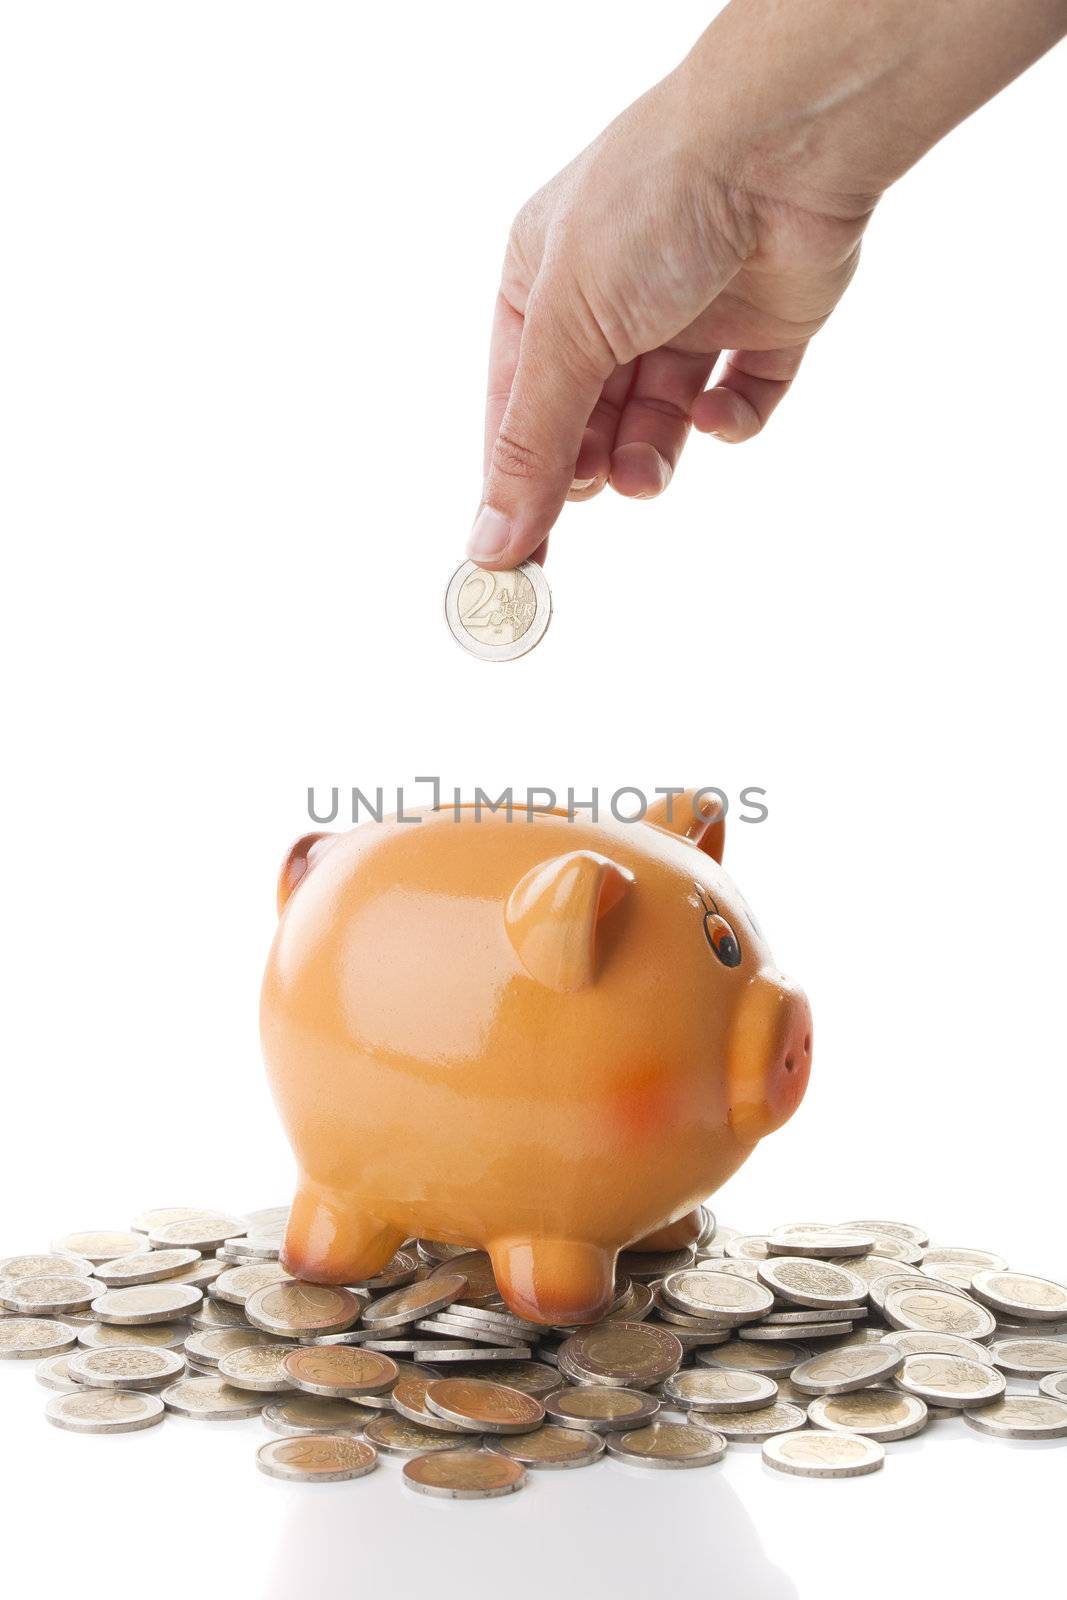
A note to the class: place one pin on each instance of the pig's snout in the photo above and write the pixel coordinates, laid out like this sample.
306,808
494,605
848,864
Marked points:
770,1056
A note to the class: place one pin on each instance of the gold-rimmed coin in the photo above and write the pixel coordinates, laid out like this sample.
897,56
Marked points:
341,1370
317,1458
551,1448
397,1435
600,1409
668,1444
483,1406
623,1355
464,1474
296,1414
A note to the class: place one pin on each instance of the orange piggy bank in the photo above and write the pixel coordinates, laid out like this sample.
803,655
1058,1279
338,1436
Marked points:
550,1039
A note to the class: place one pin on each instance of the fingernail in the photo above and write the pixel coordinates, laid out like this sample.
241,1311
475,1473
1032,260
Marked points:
582,483
489,536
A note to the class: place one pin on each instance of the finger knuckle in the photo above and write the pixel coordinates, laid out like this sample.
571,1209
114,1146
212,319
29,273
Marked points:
511,458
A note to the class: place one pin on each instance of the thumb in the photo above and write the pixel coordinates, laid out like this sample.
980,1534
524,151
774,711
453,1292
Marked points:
558,378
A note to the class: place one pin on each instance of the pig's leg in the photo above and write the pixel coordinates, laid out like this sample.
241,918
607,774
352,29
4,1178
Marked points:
554,1280
331,1240
675,1236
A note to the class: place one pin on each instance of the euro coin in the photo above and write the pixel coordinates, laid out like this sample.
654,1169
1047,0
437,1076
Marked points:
295,1414
704,1389
237,1283
717,1296
40,1297
104,1411
302,1308
30,1338
1019,1294
53,1374
416,1300
824,1455
210,1400
156,1335
668,1445
753,1427
148,1266
1055,1385
769,1358
99,1246
804,1281
498,616
397,1435
317,1458
1029,1358
260,1367
877,1413
484,1406
928,1342
819,1243
950,1381
464,1474
932,1310
148,1302
839,1371
1021,1416
551,1449
625,1355
124,1367
601,1410
340,1370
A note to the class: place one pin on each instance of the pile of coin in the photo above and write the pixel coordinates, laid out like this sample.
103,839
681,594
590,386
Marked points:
820,1342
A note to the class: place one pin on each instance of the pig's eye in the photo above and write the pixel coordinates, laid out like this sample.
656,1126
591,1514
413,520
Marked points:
722,939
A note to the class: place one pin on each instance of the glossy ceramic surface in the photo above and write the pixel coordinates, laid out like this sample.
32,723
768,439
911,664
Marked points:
548,1039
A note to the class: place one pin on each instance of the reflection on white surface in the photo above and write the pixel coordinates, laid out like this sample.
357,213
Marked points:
608,1529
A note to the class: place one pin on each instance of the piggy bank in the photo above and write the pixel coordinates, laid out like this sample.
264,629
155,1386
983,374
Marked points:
543,1037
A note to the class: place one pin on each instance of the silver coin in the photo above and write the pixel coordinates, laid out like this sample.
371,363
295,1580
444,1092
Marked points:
104,1411
824,1455
958,1264
753,1427
950,1380
711,1389
125,1367
1021,1416
200,1275
926,1342
41,1297
740,1267
719,1297
812,1317
551,1448
669,1445
532,1377
237,1283
821,1243
770,1359
436,1250
1029,1358
31,1338
406,1372
483,1316
932,1310
99,1245
879,1289
804,1281
54,1263
53,1374
397,1435
270,1219
208,1345
498,616
877,1413
626,1355
218,1314
1024,1326
317,1458
748,1247
875,1267
415,1300
156,1335
296,1414
196,1233
796,1330
400,1270
900,1230
888,1248
148,1266
260,1367
649,1265
1020,1294
252,1248
455,1355
302,1308
455,1328
210,1400
1055,1385
463,1474
599,1409
148,1302
841,1371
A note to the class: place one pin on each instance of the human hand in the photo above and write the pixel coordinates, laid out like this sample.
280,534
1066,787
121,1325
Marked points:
721,214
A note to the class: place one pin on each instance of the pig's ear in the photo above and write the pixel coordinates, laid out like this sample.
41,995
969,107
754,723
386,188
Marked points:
701,820
552,915
299,862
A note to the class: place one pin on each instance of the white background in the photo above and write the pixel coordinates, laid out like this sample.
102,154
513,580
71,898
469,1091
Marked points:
246,287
